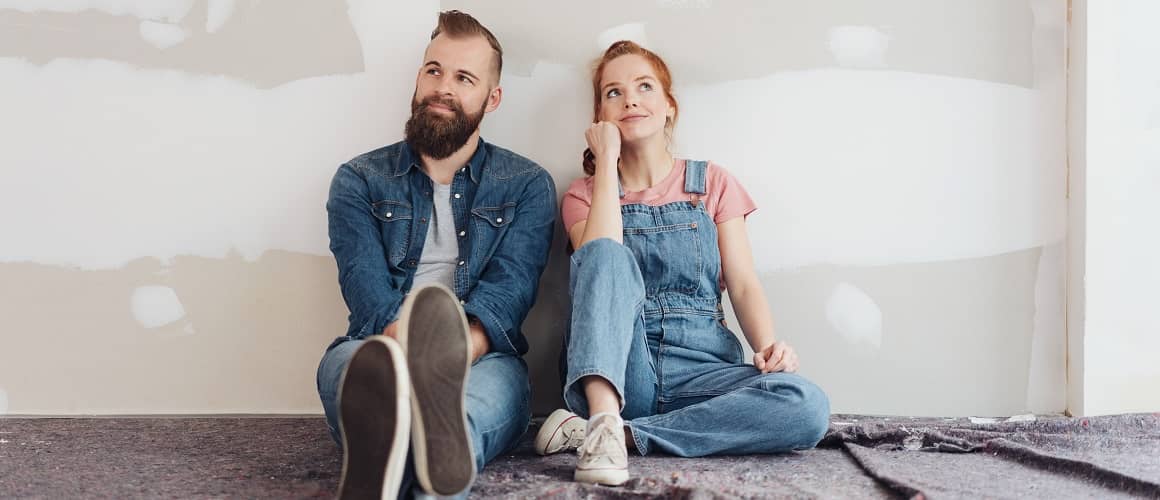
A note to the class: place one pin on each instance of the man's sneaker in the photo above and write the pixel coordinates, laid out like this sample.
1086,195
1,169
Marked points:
562,431
603,456
434,332
374,417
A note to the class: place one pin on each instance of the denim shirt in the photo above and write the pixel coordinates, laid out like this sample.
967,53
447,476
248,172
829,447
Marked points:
379,211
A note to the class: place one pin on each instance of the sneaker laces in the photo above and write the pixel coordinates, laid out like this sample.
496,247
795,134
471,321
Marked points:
574,438
602,441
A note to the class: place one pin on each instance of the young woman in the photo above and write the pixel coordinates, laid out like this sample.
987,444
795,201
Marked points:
657,239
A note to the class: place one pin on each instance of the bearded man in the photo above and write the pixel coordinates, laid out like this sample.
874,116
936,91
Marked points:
440,241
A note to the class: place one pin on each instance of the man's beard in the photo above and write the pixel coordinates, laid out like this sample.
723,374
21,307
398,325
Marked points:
437,136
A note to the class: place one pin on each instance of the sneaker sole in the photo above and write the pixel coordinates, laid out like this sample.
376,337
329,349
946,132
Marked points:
435,332
550,429
374,420
606,477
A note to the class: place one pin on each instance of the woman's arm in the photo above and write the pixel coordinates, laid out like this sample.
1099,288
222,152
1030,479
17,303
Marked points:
604,214
748,299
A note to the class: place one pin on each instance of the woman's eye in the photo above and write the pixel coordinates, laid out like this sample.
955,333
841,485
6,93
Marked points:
646,86
612,93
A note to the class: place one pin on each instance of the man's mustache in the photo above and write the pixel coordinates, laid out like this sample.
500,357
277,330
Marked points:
448,102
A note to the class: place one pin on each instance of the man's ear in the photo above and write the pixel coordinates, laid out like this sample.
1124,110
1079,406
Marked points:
493,99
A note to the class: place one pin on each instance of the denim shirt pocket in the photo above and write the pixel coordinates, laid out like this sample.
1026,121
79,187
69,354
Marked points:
395,222
490,224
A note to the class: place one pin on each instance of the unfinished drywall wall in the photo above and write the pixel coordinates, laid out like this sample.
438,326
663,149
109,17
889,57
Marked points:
165,248
908,159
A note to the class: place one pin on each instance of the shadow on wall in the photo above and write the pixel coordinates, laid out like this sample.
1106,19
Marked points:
266,43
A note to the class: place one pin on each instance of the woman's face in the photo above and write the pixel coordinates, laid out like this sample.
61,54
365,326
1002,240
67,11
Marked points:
631,97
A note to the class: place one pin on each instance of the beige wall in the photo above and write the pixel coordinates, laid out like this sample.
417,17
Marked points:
164,245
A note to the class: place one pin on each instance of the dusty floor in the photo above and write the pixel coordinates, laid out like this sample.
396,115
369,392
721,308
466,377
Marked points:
861,457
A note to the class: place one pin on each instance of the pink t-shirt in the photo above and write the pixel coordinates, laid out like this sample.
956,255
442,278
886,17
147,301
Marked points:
724,197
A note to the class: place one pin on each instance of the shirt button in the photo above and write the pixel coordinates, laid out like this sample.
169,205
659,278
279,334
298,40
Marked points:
498,220
423,220
411,262
462,262
462,302
462,234
389,215
458,196
464,169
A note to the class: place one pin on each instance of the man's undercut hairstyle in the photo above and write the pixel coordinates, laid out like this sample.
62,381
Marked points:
456,24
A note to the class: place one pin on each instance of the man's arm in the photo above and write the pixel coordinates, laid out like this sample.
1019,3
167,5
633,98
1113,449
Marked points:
356,241
508,284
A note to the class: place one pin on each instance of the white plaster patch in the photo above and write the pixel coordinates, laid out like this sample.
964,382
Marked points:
169,10
983,420
629,31
1022,418
155,306
849,167
871,167
217,13
162,35
164,163
854,315
858,46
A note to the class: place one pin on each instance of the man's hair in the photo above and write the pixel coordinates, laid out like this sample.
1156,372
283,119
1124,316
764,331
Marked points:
456,24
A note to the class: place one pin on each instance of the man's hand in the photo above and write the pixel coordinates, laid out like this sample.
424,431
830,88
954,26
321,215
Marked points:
479,343
778,357
391,330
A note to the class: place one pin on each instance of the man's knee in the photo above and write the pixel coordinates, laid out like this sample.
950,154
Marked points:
502,378
332,365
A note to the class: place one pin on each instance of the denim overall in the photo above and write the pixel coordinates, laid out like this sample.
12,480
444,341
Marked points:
647,316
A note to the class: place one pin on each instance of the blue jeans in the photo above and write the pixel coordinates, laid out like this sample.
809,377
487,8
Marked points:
683,385
498,409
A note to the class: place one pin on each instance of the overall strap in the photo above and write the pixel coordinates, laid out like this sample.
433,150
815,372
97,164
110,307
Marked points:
695,176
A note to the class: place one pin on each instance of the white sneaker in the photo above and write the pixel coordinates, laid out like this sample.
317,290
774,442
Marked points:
603,456
562,431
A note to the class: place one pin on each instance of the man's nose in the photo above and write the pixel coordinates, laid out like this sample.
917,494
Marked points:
444,86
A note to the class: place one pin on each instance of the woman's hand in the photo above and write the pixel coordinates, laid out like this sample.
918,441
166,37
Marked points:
779,357
604,142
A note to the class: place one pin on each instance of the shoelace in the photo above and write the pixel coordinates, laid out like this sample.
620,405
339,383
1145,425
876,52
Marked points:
574,438
604,436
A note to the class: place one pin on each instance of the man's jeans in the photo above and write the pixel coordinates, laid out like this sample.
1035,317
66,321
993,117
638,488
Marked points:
498,410
680,377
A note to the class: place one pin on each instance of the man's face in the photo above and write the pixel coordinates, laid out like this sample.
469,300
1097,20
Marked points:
454,88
